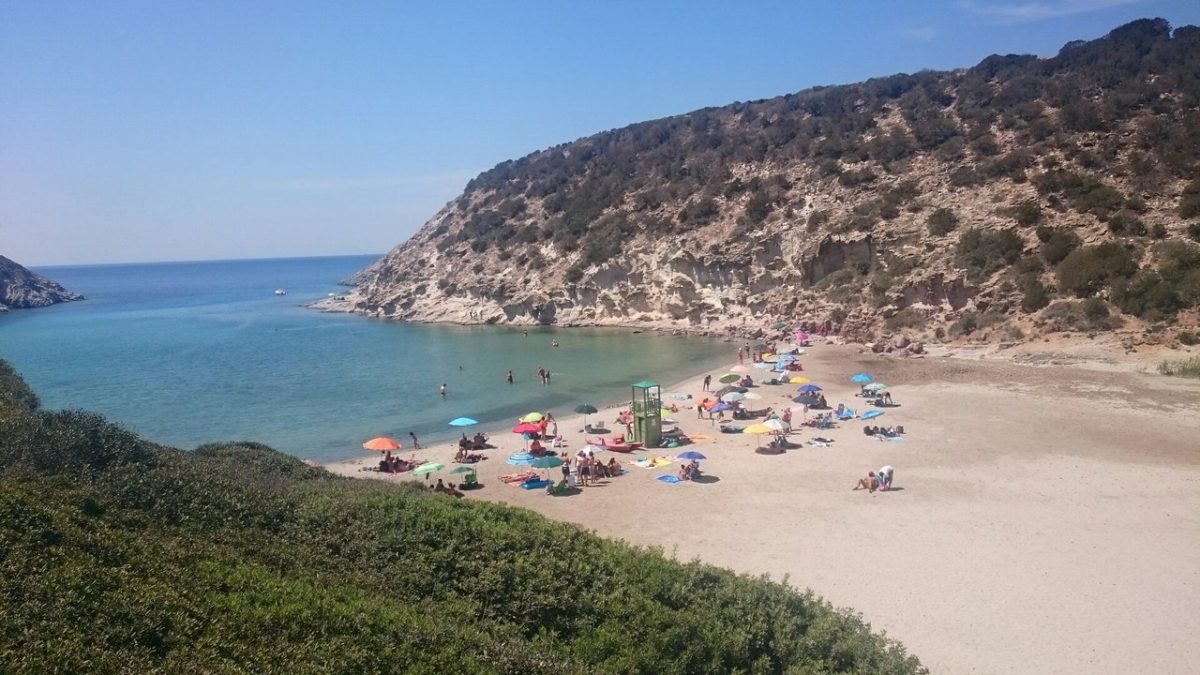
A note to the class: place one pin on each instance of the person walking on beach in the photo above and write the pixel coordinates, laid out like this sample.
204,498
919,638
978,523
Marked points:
416,444
741,356
443,390
707,382
510,377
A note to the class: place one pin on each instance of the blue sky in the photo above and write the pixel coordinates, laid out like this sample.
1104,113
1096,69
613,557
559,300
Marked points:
135,131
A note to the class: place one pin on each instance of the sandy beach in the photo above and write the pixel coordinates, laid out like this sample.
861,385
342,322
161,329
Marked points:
1046,518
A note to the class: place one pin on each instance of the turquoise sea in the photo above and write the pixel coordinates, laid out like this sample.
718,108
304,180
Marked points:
186,353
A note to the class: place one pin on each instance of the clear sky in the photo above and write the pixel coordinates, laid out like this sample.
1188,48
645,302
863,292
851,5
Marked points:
154,130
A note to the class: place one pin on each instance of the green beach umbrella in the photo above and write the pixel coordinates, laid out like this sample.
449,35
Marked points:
546,462
464,469
729,377
585,409
427,468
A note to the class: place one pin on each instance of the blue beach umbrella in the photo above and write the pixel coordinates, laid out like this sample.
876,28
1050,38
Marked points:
861,378
463,422
808,389
870,415
691,454
520,458
720,407
784,358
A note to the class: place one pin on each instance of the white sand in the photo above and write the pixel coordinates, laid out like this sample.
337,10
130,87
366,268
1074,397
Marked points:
1048,521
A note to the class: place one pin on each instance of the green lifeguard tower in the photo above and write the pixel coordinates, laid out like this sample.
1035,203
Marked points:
647,413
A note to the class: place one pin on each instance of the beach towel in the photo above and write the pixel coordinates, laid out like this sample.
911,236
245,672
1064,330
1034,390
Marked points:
668,478
535,485
700,438
889,438
871,414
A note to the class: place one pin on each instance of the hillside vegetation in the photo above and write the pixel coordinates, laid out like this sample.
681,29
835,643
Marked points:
1021,196
118,555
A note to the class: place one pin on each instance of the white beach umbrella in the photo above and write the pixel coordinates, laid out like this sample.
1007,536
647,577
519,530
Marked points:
733,397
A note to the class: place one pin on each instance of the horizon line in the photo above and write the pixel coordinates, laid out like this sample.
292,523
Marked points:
202,260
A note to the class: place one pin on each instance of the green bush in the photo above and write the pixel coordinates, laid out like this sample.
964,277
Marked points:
984,251
1034,296
1184,368
1189,202
1068,315
909,317
1027,213
1086,270
941,221
1058,244
1193,231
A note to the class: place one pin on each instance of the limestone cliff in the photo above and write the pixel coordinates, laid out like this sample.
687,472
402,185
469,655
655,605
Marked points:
22,289
986,201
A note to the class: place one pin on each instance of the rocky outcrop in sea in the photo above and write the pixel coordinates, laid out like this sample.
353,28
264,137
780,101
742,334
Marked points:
23,289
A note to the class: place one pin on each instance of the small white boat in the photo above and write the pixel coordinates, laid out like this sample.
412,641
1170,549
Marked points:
280,291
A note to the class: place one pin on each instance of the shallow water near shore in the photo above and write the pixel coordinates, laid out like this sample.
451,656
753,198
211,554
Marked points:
186,353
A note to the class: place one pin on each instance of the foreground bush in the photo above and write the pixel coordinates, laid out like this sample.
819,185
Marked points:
120,556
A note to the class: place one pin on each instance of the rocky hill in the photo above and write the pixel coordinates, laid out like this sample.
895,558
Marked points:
1019,197
22,289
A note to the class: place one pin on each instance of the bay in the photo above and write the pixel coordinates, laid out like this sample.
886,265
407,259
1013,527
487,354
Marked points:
193,352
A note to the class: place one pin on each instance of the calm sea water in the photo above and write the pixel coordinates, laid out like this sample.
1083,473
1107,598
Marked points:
186,353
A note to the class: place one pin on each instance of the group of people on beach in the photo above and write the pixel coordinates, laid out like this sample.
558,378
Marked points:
877,480
588,469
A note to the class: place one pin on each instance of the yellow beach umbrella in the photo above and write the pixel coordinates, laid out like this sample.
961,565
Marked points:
757,429
532,417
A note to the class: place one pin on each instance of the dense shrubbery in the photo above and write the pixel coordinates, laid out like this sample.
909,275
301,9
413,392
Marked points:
121,556
984,251
941,221
1088,269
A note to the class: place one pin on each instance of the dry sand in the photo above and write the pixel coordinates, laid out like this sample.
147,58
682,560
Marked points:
1047,518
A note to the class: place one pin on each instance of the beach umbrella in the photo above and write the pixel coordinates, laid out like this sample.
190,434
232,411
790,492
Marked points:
520,458
691,454
729,377
809,389
739,369
751,396
463,469
526,428
427,468
775,424
585,409
733,397
798,379
463,422
532,417
382,444
720,407
547,462
861,378
870,415
763,365
757,429
875,386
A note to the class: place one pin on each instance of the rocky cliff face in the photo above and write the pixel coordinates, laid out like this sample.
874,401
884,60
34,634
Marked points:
971,202
22,289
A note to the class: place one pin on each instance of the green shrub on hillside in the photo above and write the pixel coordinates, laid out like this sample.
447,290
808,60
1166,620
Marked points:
984,251
122,556
941,221
1086,270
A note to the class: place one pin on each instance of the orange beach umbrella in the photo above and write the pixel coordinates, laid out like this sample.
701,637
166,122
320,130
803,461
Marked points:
382,444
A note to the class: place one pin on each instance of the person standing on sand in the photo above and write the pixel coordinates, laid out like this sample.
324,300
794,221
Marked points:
416,444
707,382
741,356
443,390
